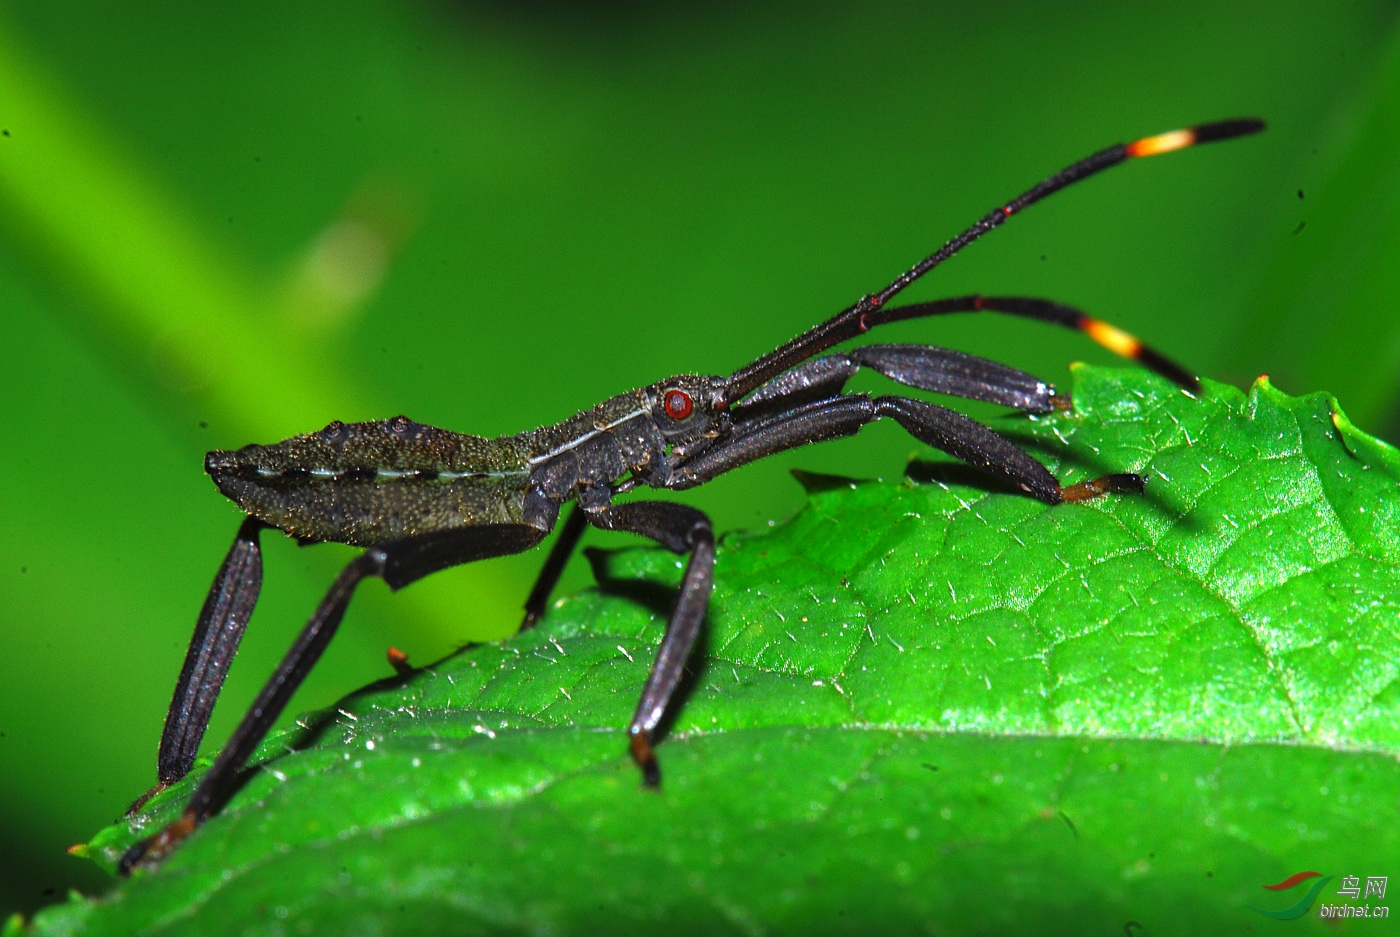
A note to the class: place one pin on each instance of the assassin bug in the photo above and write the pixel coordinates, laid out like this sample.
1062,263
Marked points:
421,499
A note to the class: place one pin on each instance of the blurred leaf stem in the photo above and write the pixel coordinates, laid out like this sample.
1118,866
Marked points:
225,344
158,280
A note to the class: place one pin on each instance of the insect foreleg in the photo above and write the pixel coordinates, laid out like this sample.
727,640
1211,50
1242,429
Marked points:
398,564
1043,310
825,376
680,529
969,441
923,366
944,429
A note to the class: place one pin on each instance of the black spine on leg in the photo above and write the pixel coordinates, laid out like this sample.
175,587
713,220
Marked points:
217,634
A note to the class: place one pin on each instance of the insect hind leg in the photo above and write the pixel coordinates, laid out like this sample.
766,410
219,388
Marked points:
398,564
217,634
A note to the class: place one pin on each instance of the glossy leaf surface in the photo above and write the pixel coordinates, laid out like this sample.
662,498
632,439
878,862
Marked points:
921,706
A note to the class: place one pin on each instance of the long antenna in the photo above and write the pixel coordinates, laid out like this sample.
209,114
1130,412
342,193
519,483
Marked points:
869,312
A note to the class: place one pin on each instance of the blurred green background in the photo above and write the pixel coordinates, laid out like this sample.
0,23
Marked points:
224,223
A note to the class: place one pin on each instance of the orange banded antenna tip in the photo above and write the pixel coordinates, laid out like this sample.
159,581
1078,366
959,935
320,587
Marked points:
1162,143
1131,347
1111,337
1190,136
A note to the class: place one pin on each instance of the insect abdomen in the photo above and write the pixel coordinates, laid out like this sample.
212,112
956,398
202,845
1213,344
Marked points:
369,483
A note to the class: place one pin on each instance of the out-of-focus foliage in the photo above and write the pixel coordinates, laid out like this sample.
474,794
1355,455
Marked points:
223,224
1323,313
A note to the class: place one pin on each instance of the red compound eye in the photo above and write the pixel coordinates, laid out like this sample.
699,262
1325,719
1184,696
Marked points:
678,405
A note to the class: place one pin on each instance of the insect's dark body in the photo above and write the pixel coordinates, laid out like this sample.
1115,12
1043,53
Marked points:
371,483
419,499
379,482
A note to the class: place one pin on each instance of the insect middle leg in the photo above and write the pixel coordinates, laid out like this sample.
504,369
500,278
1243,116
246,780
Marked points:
398,564
553,567
682,530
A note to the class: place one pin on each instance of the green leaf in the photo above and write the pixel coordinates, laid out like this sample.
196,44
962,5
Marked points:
926,705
